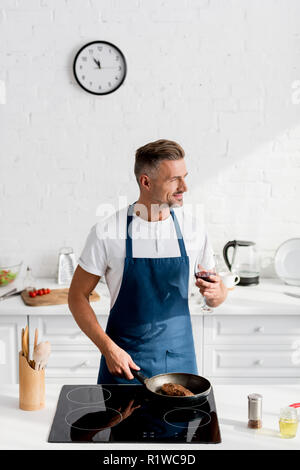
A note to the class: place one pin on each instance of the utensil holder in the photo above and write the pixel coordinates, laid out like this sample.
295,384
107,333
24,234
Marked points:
31,386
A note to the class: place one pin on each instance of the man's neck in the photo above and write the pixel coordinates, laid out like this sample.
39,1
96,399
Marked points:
151,211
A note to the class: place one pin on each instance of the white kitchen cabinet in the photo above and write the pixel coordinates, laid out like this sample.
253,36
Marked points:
251,346
10,344
197,325
74,358
73,364
251,361
62,331
252,329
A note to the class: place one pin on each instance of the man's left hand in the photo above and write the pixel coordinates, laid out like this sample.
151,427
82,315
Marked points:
214,292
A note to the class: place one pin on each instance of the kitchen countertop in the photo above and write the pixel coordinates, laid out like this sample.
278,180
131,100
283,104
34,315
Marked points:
267,298
29,429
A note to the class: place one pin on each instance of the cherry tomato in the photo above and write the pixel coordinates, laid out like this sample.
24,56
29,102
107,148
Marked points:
47,291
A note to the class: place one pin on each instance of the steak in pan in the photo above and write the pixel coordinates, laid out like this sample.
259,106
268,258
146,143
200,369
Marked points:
176,390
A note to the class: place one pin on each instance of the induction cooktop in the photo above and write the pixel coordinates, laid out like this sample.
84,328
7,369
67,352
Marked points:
129,413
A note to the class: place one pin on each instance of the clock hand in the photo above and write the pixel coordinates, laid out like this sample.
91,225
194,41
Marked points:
97,62
103,68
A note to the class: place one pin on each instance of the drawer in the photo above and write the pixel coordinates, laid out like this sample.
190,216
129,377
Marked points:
73,364
250,361
62,330
8,348
252,329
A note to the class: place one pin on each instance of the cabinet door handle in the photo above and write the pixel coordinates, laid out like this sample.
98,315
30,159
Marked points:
83,364
259,362
76,335
259,329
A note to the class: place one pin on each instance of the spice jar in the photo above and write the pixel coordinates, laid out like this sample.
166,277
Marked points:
254,411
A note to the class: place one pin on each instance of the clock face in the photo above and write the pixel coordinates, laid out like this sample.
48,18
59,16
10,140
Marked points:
99,67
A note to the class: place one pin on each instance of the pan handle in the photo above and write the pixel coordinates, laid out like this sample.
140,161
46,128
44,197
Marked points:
139,375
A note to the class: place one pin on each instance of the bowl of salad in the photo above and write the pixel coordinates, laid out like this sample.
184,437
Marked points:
8,274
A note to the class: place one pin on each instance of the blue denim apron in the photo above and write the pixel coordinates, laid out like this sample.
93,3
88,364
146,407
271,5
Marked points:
150,318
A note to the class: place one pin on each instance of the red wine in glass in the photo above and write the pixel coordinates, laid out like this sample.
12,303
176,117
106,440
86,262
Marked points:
204,275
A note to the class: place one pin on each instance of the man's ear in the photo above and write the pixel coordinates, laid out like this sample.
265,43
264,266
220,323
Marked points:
145,182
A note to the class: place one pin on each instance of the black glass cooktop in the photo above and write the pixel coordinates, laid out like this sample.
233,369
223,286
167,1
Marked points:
128,413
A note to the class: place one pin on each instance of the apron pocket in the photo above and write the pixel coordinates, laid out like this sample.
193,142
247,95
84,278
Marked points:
181,362
131,337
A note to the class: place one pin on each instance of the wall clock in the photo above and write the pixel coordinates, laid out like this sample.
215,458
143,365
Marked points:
99,67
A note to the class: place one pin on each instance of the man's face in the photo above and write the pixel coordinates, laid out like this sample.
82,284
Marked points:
168,185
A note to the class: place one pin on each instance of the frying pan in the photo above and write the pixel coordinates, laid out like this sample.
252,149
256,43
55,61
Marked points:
195,383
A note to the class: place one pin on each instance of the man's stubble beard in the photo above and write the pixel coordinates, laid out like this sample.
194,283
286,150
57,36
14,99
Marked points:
171,203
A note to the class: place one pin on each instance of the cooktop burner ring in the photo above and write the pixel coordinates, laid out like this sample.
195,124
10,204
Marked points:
183,417
90,408
106,395
199,405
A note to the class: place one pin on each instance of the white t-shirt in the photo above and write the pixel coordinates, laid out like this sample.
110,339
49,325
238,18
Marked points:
105,248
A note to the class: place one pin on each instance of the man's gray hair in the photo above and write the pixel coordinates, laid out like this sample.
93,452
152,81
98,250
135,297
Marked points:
148,157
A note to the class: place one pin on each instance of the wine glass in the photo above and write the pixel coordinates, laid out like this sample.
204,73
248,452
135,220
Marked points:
202,271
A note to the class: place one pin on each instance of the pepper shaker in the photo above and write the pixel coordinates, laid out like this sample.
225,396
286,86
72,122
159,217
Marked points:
254,411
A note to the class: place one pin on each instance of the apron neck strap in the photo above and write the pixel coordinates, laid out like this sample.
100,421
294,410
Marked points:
179,234
129,232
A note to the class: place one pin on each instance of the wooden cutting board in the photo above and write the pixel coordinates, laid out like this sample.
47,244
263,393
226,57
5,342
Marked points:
55,297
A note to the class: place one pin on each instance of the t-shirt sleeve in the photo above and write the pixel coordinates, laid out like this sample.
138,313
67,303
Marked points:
93,258
208,261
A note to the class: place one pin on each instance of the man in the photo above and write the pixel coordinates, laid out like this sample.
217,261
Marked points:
147,266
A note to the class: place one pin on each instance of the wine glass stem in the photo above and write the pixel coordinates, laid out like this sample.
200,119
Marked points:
204,305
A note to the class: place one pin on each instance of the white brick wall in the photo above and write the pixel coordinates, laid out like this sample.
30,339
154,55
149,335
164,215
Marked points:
218,76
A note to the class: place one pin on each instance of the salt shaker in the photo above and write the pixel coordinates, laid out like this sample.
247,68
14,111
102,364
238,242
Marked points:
254,411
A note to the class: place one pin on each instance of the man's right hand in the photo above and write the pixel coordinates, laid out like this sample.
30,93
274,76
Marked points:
119,362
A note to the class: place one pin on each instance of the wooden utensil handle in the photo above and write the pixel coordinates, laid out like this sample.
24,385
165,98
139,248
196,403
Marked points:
22,341
36,337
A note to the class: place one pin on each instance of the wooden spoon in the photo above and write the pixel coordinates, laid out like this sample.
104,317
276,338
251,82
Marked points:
41,354
26,342
36,334
22,341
